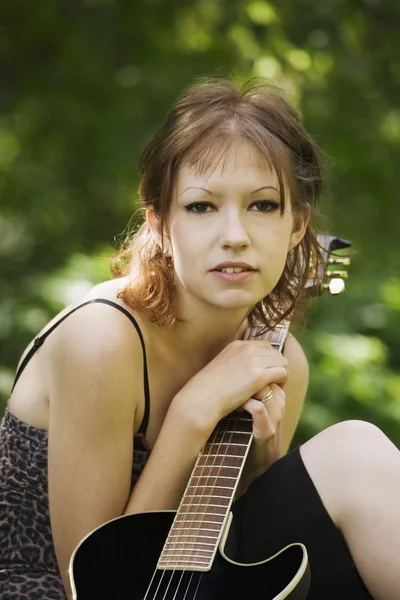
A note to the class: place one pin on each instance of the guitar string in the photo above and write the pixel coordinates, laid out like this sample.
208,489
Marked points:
150,584
169,583
191,502
177,587
197,588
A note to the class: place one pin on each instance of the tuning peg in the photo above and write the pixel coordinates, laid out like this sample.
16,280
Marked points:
336,260
335,286
340,274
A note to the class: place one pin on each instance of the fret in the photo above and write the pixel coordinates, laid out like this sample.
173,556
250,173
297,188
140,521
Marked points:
214,487
190,535
233,431
217,467
191,545
178,520
179,528
190,503
227,444
181,554
215,496
212,477
209,514
223,455
225,450
228,434
238,418
194,504
198,560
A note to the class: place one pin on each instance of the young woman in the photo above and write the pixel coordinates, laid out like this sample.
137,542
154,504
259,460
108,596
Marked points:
153,359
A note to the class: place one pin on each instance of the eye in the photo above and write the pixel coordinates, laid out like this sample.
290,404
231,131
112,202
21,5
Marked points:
199,208
265,206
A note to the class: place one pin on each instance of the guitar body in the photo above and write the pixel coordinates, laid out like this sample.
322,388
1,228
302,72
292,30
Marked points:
118,561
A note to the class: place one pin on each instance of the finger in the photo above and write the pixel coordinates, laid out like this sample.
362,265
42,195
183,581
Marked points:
267,417
273,374
264,427
276,405
270,394
273,398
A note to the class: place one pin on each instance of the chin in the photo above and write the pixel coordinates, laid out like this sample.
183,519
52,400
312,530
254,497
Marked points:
236,301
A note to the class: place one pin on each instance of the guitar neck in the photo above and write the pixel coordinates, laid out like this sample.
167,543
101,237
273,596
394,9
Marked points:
194,537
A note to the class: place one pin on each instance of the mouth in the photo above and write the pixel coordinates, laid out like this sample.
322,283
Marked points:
233,268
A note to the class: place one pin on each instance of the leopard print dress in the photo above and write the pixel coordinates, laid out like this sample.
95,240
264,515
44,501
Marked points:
28,565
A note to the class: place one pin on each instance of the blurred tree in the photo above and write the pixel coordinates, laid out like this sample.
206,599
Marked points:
86,83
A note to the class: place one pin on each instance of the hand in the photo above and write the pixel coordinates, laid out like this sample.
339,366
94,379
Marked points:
267,444
241,371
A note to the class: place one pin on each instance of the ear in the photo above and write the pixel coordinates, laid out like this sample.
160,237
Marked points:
154,224
300,223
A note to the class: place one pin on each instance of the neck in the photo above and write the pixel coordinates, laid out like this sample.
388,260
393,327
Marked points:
204,334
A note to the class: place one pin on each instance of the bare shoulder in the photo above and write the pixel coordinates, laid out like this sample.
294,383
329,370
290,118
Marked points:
298,363
295,387
97,330
94,332
95,353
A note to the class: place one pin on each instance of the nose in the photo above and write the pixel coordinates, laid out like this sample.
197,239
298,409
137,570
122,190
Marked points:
233,232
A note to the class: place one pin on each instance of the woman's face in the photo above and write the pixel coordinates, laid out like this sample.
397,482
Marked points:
226,233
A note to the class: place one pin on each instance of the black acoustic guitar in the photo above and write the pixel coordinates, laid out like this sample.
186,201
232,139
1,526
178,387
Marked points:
188,554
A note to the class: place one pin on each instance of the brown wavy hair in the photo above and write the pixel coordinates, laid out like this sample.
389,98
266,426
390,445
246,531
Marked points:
208,119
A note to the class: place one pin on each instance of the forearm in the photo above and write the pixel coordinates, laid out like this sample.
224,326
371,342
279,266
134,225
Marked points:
164,479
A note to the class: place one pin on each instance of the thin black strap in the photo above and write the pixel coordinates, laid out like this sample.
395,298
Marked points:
40,340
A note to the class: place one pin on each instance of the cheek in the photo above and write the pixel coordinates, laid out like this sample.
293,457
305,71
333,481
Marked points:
188,241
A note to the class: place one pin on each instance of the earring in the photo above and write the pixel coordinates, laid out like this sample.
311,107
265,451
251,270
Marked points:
168,257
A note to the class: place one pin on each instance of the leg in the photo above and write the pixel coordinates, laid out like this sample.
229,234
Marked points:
356,471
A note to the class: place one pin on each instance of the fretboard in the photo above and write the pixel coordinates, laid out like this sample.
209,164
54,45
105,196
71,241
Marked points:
195,534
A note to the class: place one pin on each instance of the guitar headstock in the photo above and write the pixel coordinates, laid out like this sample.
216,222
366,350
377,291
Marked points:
326,275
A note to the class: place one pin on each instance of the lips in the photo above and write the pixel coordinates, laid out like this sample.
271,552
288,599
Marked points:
233,265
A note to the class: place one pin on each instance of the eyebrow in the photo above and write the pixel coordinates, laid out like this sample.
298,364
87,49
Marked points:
263,187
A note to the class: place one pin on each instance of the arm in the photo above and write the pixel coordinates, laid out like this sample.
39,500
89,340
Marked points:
192,417
238,372
164,479
295,388
94,378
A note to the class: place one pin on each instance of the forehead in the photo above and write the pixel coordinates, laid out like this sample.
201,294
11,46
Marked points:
239,162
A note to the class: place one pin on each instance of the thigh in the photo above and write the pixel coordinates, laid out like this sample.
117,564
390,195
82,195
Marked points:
283,506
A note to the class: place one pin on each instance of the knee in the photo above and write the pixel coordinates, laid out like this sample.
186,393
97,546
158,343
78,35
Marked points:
346,452
349,439
352,434
347,463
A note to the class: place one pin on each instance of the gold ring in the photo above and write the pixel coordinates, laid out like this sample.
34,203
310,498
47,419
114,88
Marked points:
267,396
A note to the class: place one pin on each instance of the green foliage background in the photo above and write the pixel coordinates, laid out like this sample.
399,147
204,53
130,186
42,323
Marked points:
85,83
